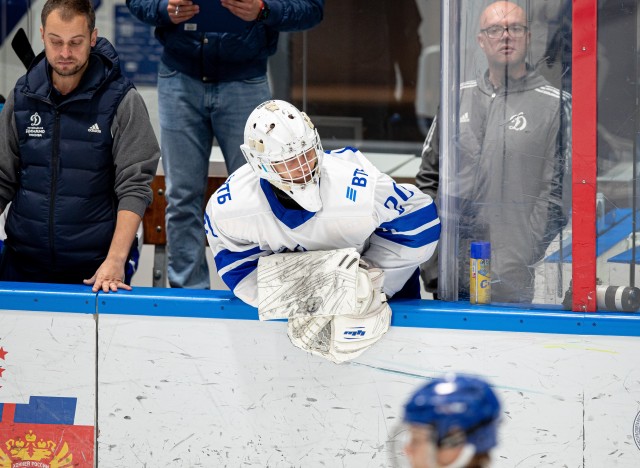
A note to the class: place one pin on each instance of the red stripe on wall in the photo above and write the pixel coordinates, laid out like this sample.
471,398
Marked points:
584,184
8,412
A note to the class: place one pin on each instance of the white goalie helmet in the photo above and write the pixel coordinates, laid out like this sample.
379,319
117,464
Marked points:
282,146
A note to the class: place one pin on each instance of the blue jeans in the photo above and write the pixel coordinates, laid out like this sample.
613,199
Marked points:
191,114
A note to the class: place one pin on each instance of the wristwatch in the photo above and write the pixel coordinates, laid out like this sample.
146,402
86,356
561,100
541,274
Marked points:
264,12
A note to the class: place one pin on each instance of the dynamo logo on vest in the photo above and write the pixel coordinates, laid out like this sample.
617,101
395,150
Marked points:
35,130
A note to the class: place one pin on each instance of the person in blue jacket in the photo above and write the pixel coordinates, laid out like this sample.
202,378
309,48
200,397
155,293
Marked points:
77,157
208,84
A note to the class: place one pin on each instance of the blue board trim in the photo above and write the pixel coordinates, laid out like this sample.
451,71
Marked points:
167,302
464,316
414,313
47,297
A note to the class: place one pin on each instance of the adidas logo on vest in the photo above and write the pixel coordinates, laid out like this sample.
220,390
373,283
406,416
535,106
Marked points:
94,128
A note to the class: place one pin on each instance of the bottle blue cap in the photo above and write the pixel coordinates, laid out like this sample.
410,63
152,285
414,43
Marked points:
481,249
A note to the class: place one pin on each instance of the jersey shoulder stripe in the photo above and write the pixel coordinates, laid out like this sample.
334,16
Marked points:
346,149
413,220
420,239
225,257
234,276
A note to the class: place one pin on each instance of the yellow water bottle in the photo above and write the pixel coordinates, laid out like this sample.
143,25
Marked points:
480,272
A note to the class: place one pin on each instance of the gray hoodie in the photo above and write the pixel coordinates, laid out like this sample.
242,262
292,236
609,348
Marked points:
511,171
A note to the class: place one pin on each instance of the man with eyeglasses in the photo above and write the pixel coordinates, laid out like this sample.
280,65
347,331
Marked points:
504,38
512,149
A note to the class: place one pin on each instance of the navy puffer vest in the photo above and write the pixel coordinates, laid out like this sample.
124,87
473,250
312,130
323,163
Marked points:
64,213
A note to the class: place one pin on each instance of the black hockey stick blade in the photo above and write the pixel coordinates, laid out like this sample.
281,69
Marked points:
22,47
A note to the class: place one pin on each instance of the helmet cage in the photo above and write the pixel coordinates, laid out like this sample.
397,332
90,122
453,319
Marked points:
283,147
286,168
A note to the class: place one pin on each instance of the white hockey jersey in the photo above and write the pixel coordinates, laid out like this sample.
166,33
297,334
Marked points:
393,226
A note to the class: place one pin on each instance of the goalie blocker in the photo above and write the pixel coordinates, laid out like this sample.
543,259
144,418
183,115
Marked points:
332,299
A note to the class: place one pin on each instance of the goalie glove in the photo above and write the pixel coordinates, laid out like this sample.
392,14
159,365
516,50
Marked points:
344,337
369,295
339,338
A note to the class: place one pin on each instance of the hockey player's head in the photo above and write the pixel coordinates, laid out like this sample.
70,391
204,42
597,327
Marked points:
283,147
452,423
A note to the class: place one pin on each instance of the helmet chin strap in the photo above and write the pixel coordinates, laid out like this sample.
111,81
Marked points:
464,457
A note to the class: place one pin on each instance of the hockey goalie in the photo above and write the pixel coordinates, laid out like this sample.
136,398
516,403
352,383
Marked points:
320,239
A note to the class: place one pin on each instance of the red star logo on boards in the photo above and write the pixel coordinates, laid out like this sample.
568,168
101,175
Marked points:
1,371
3,353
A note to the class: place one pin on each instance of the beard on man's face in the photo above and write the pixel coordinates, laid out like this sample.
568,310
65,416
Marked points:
68,70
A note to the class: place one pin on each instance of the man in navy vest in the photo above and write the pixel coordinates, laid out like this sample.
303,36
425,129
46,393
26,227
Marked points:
77,157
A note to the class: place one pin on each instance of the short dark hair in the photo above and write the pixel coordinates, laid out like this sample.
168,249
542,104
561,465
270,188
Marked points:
69,9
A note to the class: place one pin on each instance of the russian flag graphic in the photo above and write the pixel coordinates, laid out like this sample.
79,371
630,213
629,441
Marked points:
42,434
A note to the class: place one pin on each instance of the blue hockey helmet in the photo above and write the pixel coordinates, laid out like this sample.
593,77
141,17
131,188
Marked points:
456,406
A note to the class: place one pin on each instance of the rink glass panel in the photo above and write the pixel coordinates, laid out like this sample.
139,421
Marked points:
505,154
618,91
